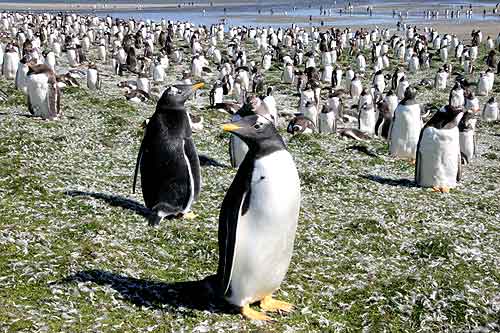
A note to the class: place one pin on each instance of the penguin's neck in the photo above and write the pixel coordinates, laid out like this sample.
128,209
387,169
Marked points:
265,147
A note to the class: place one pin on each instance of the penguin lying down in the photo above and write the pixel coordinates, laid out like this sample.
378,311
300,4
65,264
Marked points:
167,159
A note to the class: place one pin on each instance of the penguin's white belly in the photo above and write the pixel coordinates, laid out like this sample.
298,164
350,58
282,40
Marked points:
92,79
266,233
38,92
219,96
490,112
405,131
439,157
467,144
327,122
367,120
10,64
311,112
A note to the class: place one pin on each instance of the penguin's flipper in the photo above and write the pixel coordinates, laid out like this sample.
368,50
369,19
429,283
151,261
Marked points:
53,100
234,206
138,162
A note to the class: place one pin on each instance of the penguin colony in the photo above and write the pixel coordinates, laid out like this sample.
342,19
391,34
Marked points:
374,96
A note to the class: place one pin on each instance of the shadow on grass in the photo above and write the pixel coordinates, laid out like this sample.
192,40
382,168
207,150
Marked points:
389,181
114,201
195,295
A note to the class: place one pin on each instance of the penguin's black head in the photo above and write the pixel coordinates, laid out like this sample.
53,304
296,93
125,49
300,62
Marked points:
175,96
258,132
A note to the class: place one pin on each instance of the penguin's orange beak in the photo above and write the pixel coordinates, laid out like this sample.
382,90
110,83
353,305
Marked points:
230,127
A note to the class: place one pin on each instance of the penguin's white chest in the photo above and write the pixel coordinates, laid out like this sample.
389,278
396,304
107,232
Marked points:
38,91
439,157
266,232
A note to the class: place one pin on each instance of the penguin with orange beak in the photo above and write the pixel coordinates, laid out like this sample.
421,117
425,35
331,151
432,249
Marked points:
167,159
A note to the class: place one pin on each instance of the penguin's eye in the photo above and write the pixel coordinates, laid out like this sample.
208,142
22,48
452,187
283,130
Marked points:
257,126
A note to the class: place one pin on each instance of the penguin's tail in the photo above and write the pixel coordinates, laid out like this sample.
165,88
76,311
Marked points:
162,210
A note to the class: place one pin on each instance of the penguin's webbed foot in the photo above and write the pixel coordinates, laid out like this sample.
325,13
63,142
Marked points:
273,305
189,216
442,189
252,314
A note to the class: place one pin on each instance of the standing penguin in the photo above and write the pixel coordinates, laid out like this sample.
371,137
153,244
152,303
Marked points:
258,220
438,153
466,128
405,127
10,62
490,110
93,79
44,97
168,162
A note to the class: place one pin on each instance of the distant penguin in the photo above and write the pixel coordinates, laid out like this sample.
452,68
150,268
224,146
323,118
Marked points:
300,125
288,75
402,86
392,101
379,80
50,59
327,122
472,102
44,98
367,116
457,98
10,62
22,73
384,120
93,78
258,220
441,79
490,110
216,95
438,163
405,127
466,128
158,70
167,159
483,88
356,88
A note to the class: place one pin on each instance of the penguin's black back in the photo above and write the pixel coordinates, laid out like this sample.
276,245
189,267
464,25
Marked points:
164,171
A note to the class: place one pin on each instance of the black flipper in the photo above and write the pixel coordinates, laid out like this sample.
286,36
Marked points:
235,205
138,162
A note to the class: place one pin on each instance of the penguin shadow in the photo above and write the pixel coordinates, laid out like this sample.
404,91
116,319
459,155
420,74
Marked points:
194,295
113,200
403,182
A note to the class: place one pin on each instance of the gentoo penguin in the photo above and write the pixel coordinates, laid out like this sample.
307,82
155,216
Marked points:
10,62
258,220
472,102
288,75
44,97
441,79
300,124
457,98
93,79
402,86
22,73
216,95
168,162
483,88
366,113
466,129
405,127
384,120
356,88
490,110
326,120
438,162
379,80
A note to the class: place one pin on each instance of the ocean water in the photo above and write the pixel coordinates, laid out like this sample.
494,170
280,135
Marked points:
264,12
